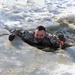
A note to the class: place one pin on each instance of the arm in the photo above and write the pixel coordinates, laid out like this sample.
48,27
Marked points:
22,34
55,42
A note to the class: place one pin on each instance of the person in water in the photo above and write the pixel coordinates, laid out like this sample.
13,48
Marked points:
40,38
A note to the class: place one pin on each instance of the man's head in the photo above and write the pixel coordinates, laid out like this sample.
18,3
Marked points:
40,33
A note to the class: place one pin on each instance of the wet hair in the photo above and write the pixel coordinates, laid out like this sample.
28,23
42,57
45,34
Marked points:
41,28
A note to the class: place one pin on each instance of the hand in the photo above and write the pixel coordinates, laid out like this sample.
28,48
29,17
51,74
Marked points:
11,37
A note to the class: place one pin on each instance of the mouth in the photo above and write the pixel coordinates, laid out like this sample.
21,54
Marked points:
39,40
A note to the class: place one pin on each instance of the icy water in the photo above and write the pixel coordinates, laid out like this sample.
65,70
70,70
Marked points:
19,58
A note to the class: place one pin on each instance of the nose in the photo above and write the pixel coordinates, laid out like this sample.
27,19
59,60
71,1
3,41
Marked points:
39,37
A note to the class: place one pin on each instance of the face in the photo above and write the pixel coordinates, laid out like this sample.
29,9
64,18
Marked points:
39,35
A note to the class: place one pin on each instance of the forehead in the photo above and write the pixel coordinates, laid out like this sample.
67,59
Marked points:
39,31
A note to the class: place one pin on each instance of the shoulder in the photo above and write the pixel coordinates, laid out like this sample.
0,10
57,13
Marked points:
48,35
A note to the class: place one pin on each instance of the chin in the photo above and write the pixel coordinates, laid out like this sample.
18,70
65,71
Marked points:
39,40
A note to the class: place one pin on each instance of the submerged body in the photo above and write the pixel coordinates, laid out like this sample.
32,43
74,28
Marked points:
39,38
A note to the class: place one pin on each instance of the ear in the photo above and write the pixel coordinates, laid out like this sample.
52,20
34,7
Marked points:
34,32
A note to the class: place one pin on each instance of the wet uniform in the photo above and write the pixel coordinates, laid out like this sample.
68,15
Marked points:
28,37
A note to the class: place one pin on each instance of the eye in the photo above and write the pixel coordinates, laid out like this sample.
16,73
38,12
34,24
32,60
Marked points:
36,34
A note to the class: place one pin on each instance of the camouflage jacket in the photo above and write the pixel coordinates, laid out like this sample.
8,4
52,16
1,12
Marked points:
28,37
